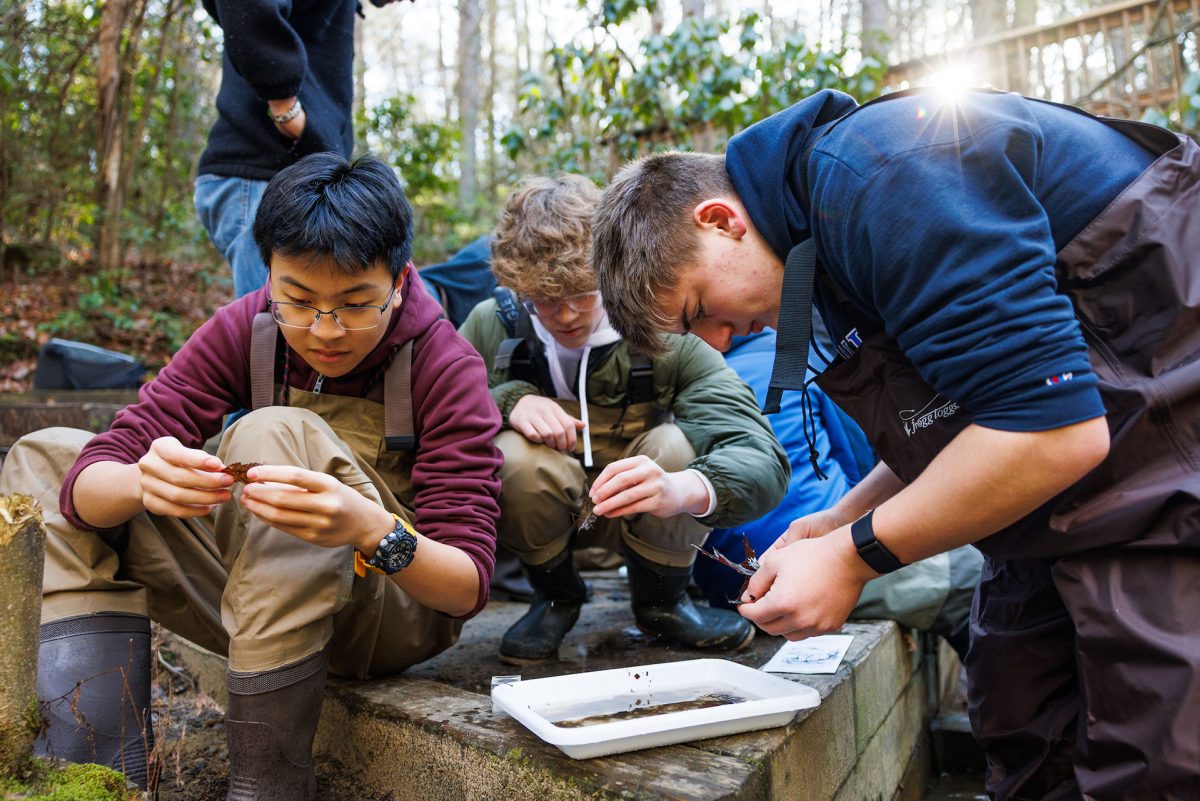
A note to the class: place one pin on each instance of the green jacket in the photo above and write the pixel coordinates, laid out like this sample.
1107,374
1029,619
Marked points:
714,408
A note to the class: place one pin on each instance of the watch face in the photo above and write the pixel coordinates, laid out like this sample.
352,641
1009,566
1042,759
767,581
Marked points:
398,551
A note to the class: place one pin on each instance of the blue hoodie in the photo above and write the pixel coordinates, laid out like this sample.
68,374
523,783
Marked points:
941,223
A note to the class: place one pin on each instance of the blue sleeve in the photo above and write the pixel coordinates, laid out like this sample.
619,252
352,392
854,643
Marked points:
950,246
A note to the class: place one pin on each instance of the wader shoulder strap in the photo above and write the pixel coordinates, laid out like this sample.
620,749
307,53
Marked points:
263,341
641,377
398,429
795,324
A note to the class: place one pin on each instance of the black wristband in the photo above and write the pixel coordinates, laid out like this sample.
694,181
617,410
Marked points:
871,550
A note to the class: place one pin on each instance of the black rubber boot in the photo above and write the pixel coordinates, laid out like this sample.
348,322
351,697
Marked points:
270,724
559,593
94,685
662,607
508,578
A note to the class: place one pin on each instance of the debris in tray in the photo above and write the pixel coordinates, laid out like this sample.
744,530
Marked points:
238,470
703,702
748,567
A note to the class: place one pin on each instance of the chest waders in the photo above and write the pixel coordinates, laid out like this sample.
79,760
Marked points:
1085,647
272,714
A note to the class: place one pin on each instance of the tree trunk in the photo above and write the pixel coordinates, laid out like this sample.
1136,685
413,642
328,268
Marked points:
987,17
693,9
493,184
139,128
360,86
874,28
22,551
1024,13
467,94
113,88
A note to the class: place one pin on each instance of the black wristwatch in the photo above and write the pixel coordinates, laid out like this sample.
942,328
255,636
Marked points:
871,550
396,550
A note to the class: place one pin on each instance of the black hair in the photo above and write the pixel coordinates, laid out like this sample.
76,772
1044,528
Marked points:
326,206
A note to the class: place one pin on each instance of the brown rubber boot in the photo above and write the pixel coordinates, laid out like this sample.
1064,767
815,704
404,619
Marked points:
662,607
270,725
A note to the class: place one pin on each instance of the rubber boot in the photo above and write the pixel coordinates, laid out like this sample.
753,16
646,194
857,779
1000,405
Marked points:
270,724
559,594
508,578
94,684
662,607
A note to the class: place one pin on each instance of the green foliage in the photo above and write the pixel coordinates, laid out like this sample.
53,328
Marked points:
425,154
104,307
598,105
1183,116
49,132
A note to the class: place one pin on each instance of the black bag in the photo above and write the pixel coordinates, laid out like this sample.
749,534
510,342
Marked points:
63,364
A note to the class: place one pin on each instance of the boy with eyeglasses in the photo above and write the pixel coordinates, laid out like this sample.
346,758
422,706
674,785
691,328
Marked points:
666,447
364,539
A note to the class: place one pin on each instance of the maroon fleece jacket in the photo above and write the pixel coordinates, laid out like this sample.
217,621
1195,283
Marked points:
455,471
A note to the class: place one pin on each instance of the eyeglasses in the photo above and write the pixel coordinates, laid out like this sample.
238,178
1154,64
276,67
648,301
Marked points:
545,307
348,318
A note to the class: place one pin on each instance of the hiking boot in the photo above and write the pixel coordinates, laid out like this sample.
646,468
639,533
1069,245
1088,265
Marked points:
662,607
270,724
94,684
559,594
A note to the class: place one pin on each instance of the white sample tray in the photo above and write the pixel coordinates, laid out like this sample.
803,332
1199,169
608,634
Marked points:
542,704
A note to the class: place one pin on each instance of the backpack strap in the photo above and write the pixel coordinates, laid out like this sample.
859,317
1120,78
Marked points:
264,339
515,353
507,309
641,377
398,430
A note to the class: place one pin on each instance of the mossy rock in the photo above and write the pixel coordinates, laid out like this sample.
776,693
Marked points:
68,782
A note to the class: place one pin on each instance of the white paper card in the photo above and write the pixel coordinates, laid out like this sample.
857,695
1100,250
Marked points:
814,655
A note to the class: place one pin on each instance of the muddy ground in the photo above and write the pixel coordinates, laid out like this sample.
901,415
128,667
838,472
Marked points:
190,757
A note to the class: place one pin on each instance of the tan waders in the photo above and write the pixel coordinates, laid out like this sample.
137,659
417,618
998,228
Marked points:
540,497
281,608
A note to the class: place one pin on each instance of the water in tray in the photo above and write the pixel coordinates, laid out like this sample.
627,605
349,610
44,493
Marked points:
608,710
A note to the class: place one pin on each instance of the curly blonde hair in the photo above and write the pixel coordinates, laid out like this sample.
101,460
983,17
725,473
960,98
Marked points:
543,244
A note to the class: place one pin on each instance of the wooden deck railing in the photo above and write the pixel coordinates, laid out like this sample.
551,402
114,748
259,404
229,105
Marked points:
1120,59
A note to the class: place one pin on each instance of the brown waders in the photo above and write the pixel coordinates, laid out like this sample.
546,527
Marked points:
1084,663
540,496
281,608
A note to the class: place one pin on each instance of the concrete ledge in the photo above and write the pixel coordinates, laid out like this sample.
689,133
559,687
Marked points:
424,738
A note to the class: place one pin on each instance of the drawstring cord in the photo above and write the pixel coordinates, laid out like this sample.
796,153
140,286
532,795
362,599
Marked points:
809,424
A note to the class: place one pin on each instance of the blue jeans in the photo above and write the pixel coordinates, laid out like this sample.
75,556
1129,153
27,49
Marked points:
227,207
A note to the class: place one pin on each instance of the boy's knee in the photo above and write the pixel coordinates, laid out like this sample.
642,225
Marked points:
668,446
263,431
43,455
531,468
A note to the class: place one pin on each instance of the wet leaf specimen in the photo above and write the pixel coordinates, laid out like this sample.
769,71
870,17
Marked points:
748,567
586,517
238,470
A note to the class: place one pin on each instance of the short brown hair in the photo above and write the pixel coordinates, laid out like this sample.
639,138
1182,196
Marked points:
543,244
643,235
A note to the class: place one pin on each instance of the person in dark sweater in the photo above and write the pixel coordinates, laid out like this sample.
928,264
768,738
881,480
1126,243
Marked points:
287,90
1010,286
358,546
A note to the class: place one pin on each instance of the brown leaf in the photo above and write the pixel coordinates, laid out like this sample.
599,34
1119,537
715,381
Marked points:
238,470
